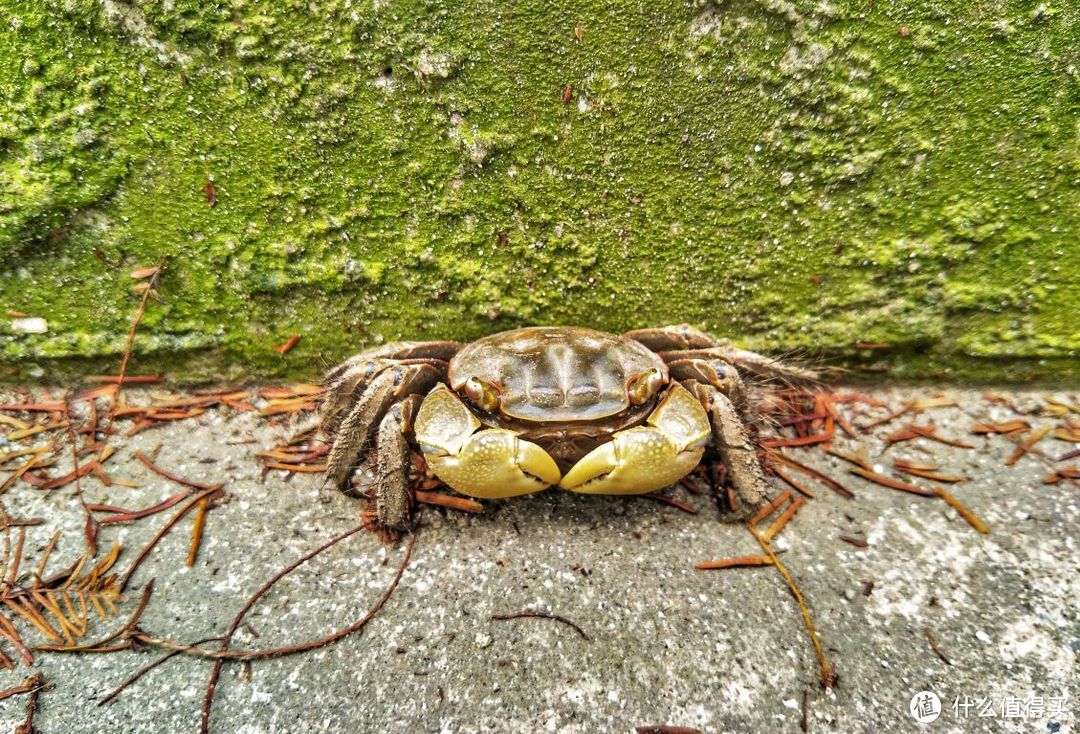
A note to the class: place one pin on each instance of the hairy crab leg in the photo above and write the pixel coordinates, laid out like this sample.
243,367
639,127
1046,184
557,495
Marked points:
392,464
355,432
718,373
752,362
683,341
676,336
736,449
350,384
442,351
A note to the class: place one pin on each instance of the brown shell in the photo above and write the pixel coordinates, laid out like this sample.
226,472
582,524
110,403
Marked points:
552,374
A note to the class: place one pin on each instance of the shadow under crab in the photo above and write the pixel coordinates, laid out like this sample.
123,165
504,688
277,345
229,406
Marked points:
524,410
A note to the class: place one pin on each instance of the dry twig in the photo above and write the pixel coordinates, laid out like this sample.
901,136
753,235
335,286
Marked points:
827,674
542,615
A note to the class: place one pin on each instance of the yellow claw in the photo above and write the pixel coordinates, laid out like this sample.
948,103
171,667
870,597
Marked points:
491,463
495,463
646,458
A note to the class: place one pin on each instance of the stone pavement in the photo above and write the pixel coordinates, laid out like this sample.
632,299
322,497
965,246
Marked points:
718,651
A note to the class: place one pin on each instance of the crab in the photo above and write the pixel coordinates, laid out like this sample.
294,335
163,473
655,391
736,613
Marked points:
524,410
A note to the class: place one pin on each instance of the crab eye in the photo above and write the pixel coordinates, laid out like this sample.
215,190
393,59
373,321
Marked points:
481,393
643,387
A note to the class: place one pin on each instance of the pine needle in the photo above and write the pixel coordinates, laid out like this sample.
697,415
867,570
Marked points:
827,674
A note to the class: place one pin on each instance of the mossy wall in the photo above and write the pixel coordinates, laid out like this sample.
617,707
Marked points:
794,175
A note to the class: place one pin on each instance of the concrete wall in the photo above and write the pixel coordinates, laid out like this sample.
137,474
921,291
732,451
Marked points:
797,176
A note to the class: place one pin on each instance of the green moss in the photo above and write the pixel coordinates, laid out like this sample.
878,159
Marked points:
793,175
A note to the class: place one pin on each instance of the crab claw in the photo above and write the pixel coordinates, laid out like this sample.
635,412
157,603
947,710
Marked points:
646,458
490,463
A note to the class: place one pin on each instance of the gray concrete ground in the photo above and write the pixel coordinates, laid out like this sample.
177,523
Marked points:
718,651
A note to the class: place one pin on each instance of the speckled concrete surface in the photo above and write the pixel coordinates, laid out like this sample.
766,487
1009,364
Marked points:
720,651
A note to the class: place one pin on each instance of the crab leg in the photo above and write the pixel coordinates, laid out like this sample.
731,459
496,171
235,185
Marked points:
442,351
719,374
677,336
649,457
489,463
682,341
356,431
736,450
392,464
346,382
752,362
342,394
